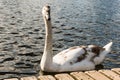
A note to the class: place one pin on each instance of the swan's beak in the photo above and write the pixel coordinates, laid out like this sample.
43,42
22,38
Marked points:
108,46
46,12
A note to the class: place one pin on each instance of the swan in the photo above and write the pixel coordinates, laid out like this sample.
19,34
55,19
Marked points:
77,58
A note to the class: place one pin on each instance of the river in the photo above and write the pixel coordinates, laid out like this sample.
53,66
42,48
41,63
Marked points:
75,22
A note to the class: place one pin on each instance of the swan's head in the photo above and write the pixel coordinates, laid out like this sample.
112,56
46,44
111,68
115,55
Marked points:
46,12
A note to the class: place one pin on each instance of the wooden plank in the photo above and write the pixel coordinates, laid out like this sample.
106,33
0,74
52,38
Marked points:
110,74
63,77
29,78
117,70
113,74
97,75
47,77
11,79
81,76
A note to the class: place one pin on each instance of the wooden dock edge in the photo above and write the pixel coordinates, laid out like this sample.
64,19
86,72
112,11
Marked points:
113,74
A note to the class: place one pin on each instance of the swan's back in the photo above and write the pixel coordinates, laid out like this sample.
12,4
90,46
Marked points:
69,56
74,59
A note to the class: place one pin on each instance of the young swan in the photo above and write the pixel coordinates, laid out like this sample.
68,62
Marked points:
77,58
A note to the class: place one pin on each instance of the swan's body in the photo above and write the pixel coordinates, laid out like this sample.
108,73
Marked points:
73,59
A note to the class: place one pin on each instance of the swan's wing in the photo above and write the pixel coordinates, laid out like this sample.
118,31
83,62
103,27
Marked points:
73,59
70,56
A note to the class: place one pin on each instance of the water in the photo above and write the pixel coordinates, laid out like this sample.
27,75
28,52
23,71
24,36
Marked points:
75,22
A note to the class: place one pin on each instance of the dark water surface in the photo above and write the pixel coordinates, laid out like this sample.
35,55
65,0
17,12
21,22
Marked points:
75,22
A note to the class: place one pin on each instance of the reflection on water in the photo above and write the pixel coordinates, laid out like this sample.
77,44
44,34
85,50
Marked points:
75,22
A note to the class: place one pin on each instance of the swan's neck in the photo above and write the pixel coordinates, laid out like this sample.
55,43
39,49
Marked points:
48,37
46,60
